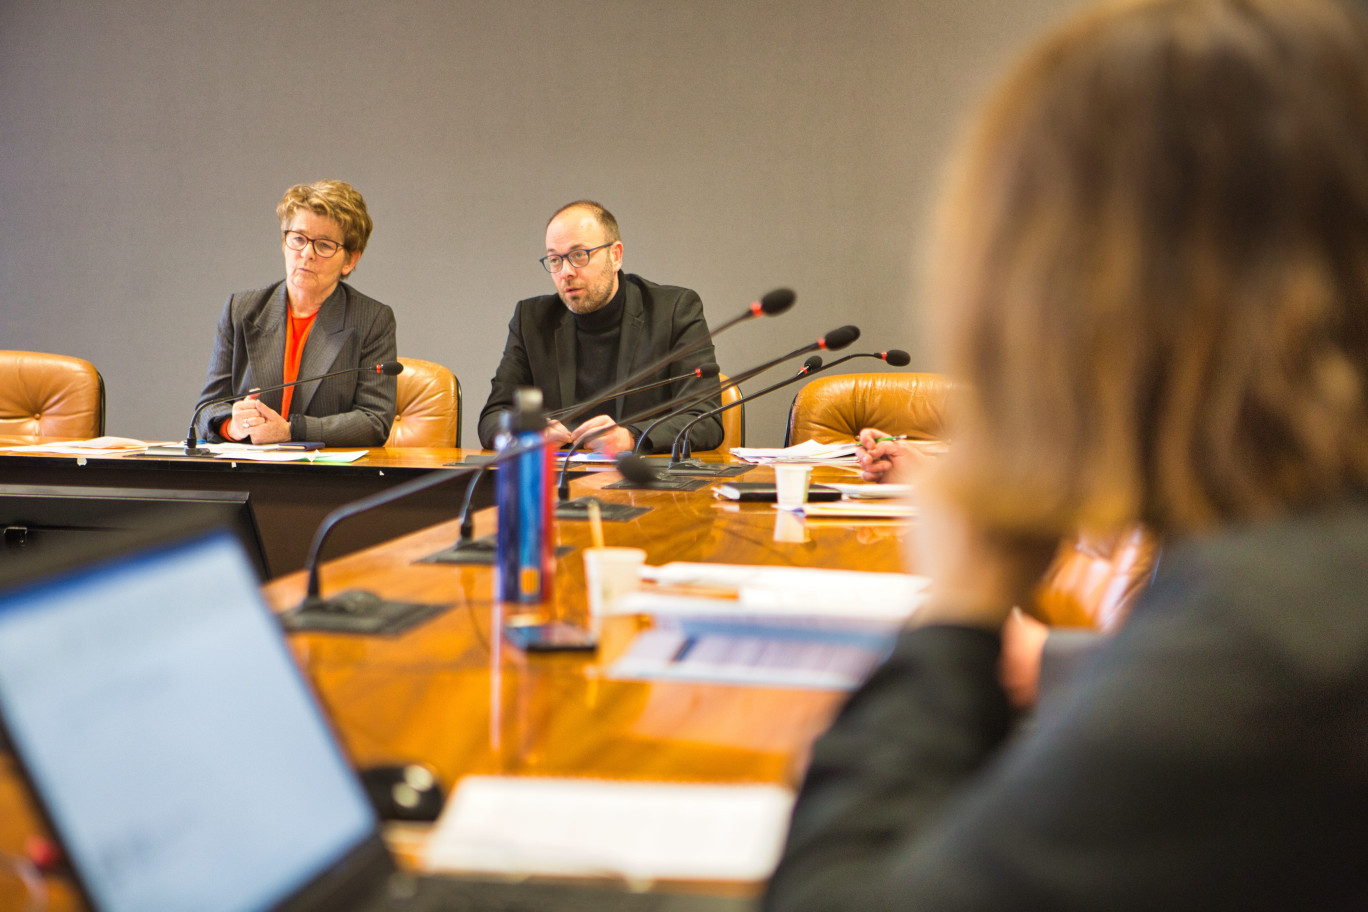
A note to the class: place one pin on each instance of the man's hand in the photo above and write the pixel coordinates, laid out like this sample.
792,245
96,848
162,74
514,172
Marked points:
616,440
557,434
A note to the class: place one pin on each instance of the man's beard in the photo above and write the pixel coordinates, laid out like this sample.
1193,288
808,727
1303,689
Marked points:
592,300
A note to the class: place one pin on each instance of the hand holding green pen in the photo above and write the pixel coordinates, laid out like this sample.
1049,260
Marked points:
886,458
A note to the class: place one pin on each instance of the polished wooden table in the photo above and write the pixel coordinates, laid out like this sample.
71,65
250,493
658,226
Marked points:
453,694
289,499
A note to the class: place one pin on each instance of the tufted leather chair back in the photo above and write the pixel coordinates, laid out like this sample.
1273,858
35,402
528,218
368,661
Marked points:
1094,580
834,409
45,395
427,411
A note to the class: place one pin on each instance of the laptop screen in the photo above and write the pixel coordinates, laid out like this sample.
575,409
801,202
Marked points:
169,734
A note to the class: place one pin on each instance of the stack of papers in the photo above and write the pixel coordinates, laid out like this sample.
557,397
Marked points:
239,452
859,509
781,626
638,831
717,652
785,591
809,451
873,491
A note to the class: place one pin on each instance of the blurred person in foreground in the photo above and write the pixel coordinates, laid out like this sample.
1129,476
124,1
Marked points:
309,324
1153,269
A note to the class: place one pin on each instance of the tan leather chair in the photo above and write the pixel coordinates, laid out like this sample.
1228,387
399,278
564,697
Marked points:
427,411
835,409
733,419
1094,580
45,395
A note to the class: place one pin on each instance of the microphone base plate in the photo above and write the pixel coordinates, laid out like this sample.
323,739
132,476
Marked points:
709,469
385,618
677,483
475,551
609,512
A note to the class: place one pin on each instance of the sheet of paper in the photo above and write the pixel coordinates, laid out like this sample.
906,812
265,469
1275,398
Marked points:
92,447
579,456
278,455
807,451
859,509
704,652
639,831
779,590
871,490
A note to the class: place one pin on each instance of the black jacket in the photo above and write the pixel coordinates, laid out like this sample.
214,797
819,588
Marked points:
1213,754
541,352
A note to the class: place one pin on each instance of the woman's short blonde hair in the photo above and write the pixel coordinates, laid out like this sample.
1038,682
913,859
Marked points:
1153,271
336,199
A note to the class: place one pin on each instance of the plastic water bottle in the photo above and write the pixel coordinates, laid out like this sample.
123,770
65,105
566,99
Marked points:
525,560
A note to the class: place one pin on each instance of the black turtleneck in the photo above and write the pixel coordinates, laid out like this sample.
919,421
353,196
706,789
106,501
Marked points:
597,336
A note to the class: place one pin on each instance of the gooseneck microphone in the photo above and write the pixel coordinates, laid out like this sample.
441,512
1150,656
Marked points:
637,469
894,357
680,451
835,340
388,368
686,399
358,602
703,371
772,304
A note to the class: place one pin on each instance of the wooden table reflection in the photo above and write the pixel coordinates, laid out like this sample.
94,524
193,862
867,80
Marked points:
451,693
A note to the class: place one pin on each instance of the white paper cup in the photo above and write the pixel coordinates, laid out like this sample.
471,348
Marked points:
609,574
790,528
791,481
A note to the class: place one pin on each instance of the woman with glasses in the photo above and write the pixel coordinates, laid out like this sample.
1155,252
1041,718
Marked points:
307,325
1152,273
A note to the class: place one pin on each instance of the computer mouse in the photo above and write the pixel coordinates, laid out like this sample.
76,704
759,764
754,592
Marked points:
407,791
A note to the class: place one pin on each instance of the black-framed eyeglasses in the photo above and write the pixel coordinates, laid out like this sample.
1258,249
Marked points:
298,240
555,262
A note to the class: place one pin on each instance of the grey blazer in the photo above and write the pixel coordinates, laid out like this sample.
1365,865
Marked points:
541,352
351,330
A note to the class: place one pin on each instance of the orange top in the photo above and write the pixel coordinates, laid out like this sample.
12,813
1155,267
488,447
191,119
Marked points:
295,337
296,333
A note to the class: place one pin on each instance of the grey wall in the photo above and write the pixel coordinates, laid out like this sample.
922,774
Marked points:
742,145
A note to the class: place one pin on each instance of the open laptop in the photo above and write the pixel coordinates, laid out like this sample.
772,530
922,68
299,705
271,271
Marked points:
181,760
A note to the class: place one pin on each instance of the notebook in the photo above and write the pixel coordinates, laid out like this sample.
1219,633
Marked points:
180,758
766,492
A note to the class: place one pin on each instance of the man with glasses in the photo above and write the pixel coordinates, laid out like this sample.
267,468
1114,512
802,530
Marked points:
600,326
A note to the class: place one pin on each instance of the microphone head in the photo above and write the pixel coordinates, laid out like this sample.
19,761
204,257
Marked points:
811,364
389,368
636,469
839,338
709,370
897,357
776,302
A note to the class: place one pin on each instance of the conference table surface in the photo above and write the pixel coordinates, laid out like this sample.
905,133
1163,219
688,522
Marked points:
452,693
